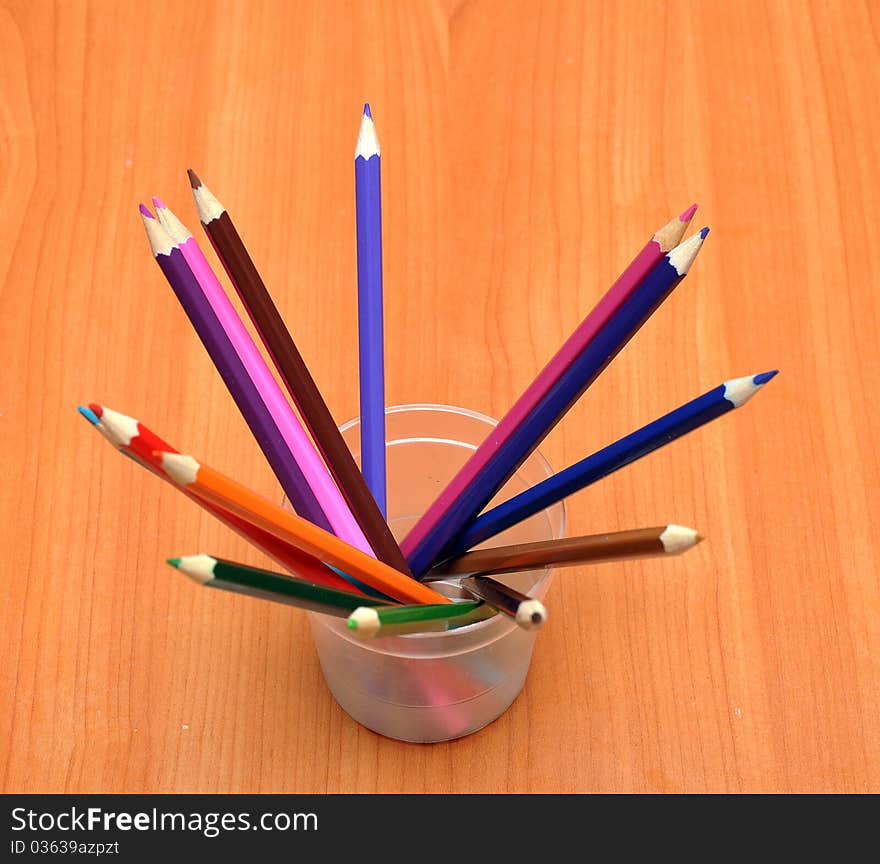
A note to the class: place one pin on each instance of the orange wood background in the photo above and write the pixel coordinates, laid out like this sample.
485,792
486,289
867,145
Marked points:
529,149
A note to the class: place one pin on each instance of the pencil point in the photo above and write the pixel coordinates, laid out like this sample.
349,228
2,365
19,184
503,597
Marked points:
367,111
677,538
145,212
193,178
764,377
174,562
97,409
704,232
89,415
352,625
700,538
367,143
158,204
688,214
531,614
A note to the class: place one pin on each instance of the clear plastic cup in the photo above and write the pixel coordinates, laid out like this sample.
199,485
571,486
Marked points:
435,686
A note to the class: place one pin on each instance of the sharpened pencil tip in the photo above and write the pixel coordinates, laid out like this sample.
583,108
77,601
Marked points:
352,625
764,377
193,178
145,212
688,214
96,408
367,110
704,232
174,562
158,203
700,538
89,415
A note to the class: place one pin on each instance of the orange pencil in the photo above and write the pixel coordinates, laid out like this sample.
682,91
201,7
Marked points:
225,492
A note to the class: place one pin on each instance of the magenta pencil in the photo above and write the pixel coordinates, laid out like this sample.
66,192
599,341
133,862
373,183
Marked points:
663,241
327,494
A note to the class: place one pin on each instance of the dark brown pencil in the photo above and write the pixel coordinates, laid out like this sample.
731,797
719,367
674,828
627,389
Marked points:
293,371
528,612
620,545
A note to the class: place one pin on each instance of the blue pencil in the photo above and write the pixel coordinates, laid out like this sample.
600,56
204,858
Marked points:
621,327
368,202
729,395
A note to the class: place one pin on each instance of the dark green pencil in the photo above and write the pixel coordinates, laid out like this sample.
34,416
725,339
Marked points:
254,582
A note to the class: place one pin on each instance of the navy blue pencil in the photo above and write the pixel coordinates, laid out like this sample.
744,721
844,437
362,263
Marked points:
729,395
368,203
621,327
243,390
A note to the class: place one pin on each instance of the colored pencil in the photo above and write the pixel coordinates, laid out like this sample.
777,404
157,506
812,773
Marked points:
588,365
224,492
663,241
716,402
528,612
369,621
371,348
266,585
208,328
294,373
616,546
295,438
139,443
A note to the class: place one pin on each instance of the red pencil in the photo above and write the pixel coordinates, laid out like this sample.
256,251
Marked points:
133,437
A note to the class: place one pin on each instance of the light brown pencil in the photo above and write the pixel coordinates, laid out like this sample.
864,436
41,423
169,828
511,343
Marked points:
592,549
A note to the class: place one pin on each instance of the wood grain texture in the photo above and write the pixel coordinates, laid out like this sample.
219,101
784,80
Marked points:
529,149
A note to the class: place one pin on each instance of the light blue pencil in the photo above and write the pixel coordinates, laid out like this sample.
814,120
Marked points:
368,202
729,395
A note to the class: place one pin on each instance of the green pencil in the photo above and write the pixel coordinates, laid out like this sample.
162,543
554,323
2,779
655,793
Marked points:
266,585
378,620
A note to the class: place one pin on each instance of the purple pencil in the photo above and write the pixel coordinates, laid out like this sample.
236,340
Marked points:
335,508
206,324
666,239
368,201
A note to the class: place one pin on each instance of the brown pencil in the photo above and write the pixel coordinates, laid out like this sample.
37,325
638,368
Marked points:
639,543
528,612
293,371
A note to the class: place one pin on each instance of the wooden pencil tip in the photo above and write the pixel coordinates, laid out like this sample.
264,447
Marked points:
96,408
145,212
704,232
688,214
193,178
174,562
158,203
367,111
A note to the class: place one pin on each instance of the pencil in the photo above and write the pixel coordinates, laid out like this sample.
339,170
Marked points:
588,365
131,438
593,549
242,389
711,405
528,612
367,622
295,438
294,373
266,585
224,492
371,350
663,241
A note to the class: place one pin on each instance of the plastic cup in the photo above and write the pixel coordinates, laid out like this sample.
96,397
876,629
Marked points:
436,686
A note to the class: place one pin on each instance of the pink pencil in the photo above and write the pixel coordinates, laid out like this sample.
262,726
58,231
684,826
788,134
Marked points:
666,239
335,507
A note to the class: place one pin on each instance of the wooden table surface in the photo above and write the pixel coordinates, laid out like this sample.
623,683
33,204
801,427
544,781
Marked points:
529,149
